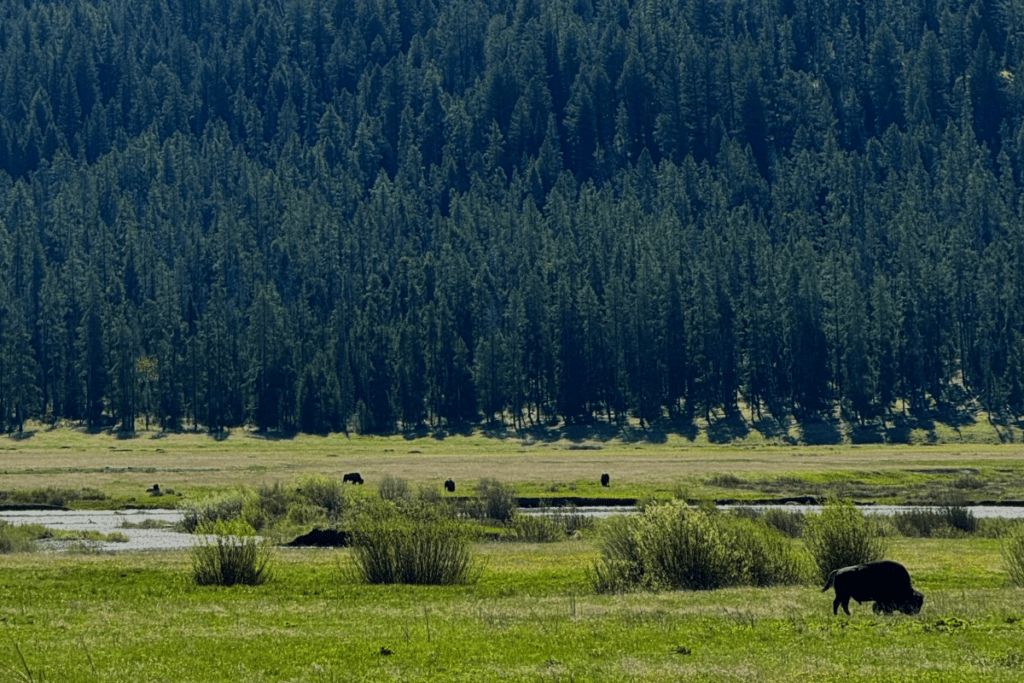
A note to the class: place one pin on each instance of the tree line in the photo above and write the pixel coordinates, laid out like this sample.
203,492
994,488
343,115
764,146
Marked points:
379,214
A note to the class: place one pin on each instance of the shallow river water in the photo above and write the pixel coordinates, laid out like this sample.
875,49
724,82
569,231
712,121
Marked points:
108,521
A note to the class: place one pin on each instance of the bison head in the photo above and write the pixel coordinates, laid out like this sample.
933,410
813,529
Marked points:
913,603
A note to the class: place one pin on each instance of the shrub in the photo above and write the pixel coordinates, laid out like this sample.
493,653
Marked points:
841,536
1013,555
622,564
421,552
536,529
685,548
495,501
232,556
766,556
325,493
960,517
788,522
923,522
675,546
394,489
13,539
571,520
220,507
267,505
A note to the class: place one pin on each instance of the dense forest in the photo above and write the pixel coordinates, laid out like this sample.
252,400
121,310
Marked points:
379,215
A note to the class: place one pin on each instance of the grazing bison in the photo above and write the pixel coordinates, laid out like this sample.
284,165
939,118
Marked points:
887,583
449,486
605,479
353,478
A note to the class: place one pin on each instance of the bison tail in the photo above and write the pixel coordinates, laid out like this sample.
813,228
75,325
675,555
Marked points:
831,579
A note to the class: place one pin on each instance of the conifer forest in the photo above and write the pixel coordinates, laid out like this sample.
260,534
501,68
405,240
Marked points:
381,215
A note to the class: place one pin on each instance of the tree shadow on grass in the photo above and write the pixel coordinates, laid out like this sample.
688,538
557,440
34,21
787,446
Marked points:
771,427
269,435
727,429
818,432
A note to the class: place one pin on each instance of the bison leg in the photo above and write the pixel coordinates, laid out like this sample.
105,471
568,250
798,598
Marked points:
839,601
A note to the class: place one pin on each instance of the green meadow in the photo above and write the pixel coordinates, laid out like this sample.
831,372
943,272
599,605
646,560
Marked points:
532,613
531,616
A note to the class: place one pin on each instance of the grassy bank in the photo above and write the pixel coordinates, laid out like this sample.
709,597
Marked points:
532,616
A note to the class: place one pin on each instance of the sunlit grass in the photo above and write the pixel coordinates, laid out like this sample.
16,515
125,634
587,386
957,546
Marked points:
530,617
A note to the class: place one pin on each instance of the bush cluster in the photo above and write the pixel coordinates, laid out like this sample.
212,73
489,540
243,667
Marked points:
675,546
935,522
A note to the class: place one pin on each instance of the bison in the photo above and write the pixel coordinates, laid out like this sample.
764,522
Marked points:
605,479
353,478
449,486
887,583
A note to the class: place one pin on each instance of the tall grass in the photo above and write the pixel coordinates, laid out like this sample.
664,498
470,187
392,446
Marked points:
231,556
1012,549
841,536
432,552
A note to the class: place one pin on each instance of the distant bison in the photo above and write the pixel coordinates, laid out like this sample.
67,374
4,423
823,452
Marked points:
605,479
353,478
449,486
887,583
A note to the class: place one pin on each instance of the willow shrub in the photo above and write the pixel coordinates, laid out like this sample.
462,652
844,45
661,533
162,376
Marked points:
230,555
397,549
14,539
841,536
675,546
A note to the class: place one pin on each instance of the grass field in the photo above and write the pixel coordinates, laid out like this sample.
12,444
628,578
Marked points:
551,463
531,617
533,614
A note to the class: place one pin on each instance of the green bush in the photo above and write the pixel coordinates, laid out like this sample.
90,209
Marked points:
766,556
536,529
394,489
218,507
14,539
231,556
938,523
268,505
397,549
1013,555
841,536
675,546
960,517
788,522
325,493
494,501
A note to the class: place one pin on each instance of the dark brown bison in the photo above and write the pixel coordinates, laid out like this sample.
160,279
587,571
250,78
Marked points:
353,478
887,583
605,479
449,486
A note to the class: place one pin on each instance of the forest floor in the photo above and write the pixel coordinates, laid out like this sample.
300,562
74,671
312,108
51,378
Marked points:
933,462
531,616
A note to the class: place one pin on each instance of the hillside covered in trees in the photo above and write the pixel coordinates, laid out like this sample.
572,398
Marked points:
378,214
